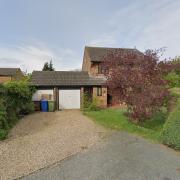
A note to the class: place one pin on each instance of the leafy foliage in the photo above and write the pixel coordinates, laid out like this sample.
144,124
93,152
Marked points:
90,104
137,80
48,66
19,96
15,100
3,134
3,116
171,130
170,66
173,79
171,69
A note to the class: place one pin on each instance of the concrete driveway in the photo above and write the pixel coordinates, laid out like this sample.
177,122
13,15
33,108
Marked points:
119,157
42,139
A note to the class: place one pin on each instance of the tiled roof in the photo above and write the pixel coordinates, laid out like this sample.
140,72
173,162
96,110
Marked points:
64,78
8,71
96,54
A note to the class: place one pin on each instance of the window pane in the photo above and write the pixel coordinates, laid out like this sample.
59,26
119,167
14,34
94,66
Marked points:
99,91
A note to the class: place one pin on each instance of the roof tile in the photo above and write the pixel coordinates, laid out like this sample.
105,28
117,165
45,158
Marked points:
96,54
8,71
64,78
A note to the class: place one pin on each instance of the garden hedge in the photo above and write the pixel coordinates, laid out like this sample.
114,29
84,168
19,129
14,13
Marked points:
171,131
15,100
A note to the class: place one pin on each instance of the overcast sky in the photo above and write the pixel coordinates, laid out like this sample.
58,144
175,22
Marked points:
34,31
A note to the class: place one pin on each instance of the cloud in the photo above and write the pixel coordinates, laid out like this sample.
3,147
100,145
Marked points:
103,40
164,31
32,57
144,24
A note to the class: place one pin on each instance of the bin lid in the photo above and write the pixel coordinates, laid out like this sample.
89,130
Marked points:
44,100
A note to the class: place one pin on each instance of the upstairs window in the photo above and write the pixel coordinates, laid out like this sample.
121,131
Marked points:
102,70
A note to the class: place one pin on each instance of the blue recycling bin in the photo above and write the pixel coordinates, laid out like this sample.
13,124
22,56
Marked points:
44,105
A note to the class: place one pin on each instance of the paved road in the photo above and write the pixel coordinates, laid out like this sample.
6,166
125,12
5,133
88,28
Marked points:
118,157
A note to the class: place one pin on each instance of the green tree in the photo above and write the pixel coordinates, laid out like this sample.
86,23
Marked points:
51,66
48,66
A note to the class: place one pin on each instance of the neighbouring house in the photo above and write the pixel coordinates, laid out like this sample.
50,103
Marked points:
9,74
94,56
66,88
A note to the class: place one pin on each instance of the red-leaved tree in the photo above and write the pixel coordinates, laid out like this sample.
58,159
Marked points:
136,79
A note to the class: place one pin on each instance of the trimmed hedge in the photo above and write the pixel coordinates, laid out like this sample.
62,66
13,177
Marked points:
171,131
15,100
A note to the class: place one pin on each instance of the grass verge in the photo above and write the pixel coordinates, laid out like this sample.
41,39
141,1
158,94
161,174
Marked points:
162,127
115,119
171,131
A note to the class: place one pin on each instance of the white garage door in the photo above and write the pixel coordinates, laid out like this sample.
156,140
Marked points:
69,99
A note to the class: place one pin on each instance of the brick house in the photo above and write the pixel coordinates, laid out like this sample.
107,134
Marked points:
67,88
9,74
93,57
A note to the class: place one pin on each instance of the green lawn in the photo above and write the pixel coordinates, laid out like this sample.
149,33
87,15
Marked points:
115,119
162,127
171,131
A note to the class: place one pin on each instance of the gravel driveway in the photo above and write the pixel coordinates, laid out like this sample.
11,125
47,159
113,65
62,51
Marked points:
41,139
121,156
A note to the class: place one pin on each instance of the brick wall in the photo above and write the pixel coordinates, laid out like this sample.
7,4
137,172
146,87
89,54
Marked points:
5,79
18,76
94,69
86,66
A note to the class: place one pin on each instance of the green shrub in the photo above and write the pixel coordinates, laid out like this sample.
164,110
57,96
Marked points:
175,92
3,113
170,134
3,120
90,104
173,79
3,134
87,100
27,108
15,100
19,99
93,105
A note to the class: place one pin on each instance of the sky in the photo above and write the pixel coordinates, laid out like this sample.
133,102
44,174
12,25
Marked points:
35,31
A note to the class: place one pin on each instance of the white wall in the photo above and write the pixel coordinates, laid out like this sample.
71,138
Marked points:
37,96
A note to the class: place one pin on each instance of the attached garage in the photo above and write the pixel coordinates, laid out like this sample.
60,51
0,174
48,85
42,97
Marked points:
66,88
69,99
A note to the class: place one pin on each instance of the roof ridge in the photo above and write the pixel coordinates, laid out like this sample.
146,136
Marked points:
8,68
103,47
61,71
